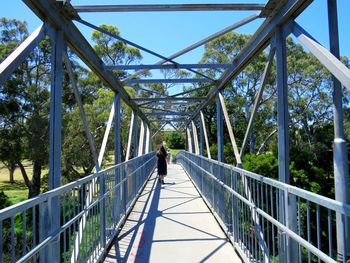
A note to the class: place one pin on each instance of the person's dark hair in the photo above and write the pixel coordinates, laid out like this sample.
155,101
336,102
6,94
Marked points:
162,150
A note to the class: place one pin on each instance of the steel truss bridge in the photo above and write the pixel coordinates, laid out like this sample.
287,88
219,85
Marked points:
261,217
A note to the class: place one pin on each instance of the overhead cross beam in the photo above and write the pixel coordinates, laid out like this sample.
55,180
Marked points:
283,12
116,36
51,12
166,66
174,81
169,7
170,99
202,42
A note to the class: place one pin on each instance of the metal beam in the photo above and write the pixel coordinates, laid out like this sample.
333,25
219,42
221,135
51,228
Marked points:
117,129
230,131
170,99
257,100
219,131
288,215
140,81
77,43
168,7
136,133
201,139
284,11
148,137
159,129
167,113
340,156
331,62
195,138
166,66
128,148
81,110
106,134
141,139
192,90
205,135
147,90
97,160
55,137
201,42
172,103
14,59
174,120
136,45
189,140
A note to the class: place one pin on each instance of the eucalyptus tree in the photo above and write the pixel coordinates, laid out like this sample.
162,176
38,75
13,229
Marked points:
24,106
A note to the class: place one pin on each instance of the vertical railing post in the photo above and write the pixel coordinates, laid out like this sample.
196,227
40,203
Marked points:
43,231
340,158
55,135
287,247
220,134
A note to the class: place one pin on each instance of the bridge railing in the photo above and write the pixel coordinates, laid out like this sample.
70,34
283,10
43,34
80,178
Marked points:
91,211
248,206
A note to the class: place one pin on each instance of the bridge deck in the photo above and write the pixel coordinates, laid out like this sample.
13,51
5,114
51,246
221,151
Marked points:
171,223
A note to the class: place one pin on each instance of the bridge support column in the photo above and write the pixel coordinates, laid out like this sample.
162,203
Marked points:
340,158
117,157
117,129
220,134
288,249
55,137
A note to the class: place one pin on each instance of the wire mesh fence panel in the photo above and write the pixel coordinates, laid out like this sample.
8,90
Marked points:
90,209
254,211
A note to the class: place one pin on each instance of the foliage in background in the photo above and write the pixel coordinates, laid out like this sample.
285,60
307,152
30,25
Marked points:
175,140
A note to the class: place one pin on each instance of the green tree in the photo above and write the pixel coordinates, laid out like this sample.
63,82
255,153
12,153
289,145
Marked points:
176,140
24,105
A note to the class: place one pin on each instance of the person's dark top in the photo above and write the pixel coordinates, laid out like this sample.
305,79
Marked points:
162,167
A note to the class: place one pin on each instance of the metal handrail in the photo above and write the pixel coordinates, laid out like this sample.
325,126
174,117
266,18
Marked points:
209,180
122,184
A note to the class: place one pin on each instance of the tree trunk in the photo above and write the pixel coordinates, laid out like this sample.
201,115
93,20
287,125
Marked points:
36,180
252,142
12,172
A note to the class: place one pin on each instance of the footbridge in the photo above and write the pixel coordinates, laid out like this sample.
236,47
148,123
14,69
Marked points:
207,210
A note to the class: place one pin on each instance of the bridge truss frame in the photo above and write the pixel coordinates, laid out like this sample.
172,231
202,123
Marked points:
279,22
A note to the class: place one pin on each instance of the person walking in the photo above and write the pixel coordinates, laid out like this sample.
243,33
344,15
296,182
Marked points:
162,164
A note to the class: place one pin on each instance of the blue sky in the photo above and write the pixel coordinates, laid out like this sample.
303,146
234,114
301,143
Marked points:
168,32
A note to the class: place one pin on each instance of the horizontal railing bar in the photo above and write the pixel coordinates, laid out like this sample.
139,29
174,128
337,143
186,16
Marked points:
20,207
318,199
54,234
279,225
168,7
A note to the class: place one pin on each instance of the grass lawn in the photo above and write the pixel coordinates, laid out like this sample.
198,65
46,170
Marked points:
174,152
18,191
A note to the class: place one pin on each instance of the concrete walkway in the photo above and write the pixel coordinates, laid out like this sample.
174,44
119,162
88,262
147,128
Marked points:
171,223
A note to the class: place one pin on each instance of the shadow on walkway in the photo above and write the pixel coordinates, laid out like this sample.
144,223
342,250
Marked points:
170,223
